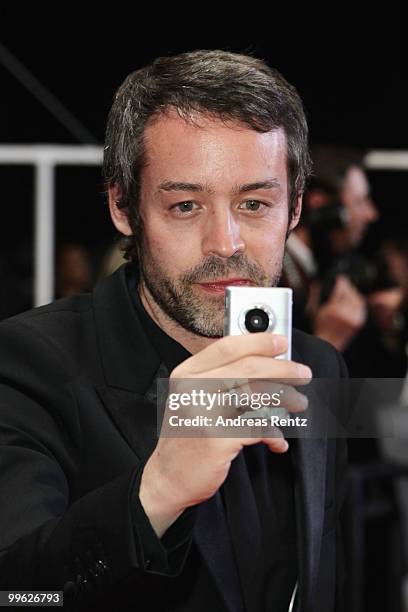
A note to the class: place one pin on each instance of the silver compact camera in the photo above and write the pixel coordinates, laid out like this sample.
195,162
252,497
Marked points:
249,310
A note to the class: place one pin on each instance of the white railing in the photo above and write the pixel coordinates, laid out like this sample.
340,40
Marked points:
386,160
45,158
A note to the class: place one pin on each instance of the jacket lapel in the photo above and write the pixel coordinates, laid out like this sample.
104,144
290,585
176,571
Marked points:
309,456
135,414
129,360
245,529
211,535
309,459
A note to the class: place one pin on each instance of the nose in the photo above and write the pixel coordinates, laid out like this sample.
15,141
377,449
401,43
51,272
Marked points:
222,236
371,212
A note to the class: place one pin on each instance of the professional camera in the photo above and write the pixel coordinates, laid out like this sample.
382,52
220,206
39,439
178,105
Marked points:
322,222
367,275
328,217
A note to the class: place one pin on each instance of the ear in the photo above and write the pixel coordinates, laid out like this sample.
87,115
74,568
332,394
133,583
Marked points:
296,213
118,216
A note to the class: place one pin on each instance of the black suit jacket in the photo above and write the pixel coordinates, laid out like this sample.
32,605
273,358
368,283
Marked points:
77,424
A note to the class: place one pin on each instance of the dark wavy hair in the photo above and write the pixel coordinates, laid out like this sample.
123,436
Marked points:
221,84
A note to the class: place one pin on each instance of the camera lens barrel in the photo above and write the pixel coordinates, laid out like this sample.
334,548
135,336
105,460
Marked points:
258,318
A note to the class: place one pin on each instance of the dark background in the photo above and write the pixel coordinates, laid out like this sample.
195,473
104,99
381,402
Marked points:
353,88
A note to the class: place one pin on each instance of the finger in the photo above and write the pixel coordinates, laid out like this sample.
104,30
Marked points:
231,348
281,395
271,436
258,394
277,444
287,372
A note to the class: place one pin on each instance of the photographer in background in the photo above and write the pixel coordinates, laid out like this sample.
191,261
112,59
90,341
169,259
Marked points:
339,292
326,302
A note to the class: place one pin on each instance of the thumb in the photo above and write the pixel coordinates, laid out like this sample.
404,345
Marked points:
276,445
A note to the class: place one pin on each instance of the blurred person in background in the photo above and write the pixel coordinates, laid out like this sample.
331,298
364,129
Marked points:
73,273
340,293
337,213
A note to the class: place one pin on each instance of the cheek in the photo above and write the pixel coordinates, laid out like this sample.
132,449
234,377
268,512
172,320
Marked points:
156,247
171,252
269,237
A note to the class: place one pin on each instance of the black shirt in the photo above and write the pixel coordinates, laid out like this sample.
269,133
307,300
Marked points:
271,481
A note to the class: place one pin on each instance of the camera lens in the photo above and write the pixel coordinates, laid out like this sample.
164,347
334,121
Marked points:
256,320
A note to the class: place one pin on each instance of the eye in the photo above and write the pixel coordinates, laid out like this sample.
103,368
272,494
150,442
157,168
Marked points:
183,207
253,205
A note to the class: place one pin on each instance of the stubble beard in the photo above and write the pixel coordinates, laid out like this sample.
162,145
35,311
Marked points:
186,304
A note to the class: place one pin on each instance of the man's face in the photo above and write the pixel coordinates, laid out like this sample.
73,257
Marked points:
214,205
355,195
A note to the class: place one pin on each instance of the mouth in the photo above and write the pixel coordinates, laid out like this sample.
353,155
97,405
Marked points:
218,286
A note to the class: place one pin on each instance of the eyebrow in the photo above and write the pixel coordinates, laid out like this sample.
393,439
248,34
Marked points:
271,183
180,186
268,184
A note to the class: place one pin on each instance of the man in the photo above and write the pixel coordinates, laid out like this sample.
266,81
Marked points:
205,162
358,292
339,210
341,173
